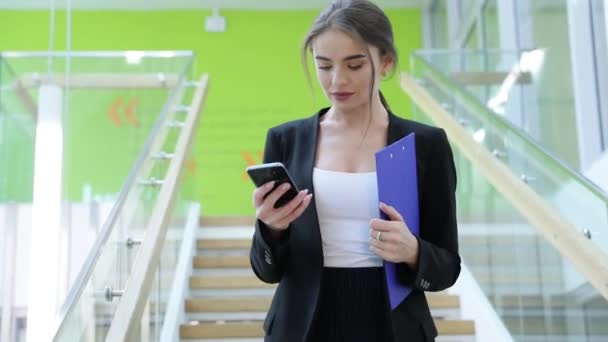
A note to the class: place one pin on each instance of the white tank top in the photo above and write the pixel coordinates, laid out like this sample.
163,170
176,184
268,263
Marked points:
345,203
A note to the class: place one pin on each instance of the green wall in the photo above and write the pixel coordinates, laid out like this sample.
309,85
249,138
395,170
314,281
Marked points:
256,79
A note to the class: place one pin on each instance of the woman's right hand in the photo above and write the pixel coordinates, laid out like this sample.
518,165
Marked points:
278,219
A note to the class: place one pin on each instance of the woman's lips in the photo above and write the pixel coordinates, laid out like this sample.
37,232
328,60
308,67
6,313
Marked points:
342,96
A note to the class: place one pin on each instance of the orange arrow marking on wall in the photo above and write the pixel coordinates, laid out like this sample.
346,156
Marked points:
130,112
113,112
249,160
191,166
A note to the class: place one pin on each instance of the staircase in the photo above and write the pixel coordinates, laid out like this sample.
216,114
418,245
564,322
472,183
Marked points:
229,304
524,279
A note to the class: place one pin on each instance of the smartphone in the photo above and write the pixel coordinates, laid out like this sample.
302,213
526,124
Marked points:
264,173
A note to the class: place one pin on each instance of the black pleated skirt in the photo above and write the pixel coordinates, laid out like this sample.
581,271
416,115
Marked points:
352,307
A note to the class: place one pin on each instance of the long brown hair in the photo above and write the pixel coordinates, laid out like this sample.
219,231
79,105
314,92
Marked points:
364,22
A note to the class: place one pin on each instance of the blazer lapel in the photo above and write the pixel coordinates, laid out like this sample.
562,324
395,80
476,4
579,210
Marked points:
309,150
395,131
399,128
306,147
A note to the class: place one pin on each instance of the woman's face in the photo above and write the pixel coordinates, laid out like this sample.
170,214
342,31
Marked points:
344,69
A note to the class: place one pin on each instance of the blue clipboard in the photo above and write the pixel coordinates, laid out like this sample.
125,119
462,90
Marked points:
398,187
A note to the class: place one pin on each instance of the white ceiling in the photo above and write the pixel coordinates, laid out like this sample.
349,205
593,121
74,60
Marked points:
192,4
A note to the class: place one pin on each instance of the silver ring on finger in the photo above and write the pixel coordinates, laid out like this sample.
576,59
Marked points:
379,236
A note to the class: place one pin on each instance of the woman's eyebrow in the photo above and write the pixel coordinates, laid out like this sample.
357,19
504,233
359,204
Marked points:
321,58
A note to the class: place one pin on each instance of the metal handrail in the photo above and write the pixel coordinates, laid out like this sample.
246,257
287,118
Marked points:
95,54
29,104
88,267
132,305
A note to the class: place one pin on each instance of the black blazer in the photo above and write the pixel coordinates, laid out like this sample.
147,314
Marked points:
296,260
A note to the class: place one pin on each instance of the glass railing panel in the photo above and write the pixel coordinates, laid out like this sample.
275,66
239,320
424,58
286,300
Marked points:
166,271
90,315
113,266
153,320
537,293
121,161
103,123
17,137
575,197
531,89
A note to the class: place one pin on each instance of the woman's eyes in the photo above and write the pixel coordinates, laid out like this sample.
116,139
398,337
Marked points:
352,67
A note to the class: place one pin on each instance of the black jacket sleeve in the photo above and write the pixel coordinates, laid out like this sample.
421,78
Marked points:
267,252
438,259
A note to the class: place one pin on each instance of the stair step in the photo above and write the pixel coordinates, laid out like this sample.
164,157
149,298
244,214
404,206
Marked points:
254,329
233,293
222,330
228,304
436,300
228,261
455,327
261,304
228,282
442,301
223,243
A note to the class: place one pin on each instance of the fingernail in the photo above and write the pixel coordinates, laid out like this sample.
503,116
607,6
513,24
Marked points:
270,184
286,186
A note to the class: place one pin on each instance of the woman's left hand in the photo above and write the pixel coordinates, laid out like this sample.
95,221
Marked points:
392,240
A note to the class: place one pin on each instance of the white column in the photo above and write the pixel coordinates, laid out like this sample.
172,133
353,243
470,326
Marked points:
427,22
515,20
515,27
9,220
603,71
46,216
481,31
469,22
531,115
507,23
584,81
605,4
453,8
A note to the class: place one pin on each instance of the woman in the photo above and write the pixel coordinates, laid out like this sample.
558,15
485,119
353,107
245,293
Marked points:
327,251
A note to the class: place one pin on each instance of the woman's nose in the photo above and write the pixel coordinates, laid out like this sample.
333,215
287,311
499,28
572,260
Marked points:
340,77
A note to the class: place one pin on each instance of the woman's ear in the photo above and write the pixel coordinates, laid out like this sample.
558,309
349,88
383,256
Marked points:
388,63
